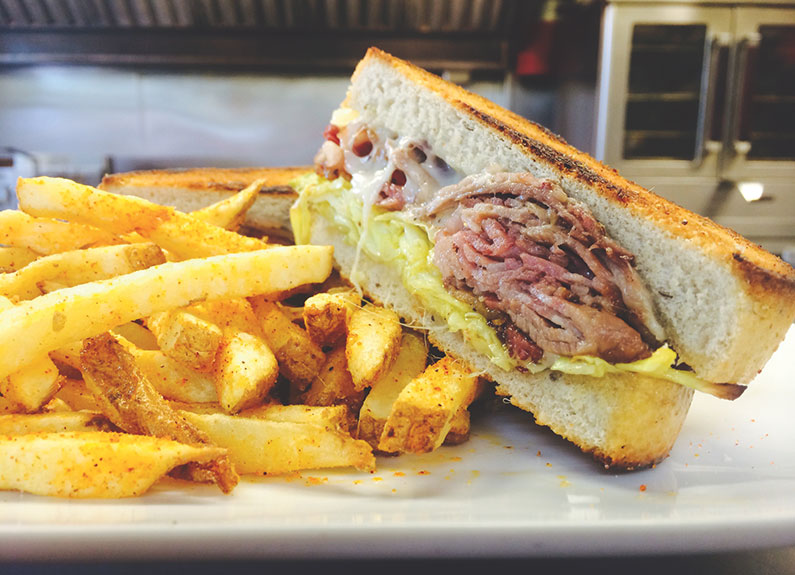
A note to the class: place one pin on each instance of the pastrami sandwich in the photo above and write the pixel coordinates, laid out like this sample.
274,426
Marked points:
589,301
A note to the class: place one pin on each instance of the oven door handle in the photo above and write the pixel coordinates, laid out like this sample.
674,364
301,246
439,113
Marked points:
706,100
740,144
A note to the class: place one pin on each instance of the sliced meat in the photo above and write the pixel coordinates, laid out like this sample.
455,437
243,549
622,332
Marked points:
523,247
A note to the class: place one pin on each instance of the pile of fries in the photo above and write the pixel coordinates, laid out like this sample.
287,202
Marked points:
137,341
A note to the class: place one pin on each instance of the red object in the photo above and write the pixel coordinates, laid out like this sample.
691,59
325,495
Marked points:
535,59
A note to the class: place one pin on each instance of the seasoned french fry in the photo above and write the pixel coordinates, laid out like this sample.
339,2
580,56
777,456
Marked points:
172,379
137,335
245,368
179,233
294,313
262,446
372,343
330,416
76,395
333,384
54,422
245,372
78,267
377,406
13,259
459,428
326,315
130,401
230,212
38,326
228,314
92,464
424,411
300,359
33,385
47,236
187,338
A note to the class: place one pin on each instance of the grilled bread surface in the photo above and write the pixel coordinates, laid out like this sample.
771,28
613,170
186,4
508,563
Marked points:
195,188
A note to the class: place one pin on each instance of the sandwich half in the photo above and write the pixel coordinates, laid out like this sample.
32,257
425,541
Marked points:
592,303
196,188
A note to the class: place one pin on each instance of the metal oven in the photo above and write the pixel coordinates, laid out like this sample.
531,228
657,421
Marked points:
697,101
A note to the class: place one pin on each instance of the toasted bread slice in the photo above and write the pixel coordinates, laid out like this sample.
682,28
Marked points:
192,189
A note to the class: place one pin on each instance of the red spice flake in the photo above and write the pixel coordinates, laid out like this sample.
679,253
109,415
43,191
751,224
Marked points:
423,472
642,487
538,453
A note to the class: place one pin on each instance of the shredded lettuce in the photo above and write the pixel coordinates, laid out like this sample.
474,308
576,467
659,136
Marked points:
391,238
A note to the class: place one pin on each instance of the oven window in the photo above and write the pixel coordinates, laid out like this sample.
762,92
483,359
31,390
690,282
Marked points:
768,118
665,70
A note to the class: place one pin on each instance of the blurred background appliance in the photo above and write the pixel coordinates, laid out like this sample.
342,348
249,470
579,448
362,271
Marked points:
697,101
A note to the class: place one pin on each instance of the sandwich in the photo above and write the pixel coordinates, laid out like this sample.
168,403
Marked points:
192,189
589,301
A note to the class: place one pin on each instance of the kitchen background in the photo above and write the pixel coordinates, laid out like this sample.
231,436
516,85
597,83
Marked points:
694,100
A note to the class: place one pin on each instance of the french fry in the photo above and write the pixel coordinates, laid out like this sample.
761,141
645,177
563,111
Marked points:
245,371
78,267
92,464
230,212
187,338
377,406
300,359
47,236
172,379
333,384
424,411
13,259
267,447
182,235
130,401
372,343
54,422
294,313
33,385
329,416
228,314
326,315
245,368
459,428
38,326
76,395
137,335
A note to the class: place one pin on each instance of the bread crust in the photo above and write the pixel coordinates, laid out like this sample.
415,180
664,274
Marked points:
201,179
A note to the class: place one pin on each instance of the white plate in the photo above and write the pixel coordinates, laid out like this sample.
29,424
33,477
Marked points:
513,490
